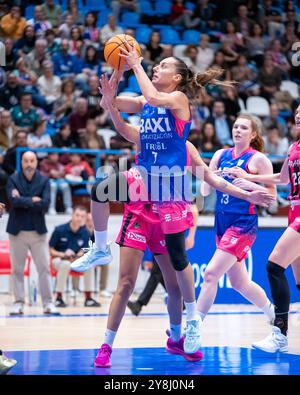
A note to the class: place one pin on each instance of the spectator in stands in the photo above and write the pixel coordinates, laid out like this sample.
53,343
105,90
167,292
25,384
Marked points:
78,119
288,39
245,76
91,62
10,55
104,269
78,170
205,53
294,134
63,138
91,32
278,57
9,162
233,38
76,42
91,138
274,119
38,138
49,85
39,22
52,44
65,64
166,53
9,95
72,9
92,97
29,194
256,44
269,77
52,12
13,24
25,115
66,244
153,48
231,102
230,55
25,76
191,57
121,5
65,103
222,123
65,28
26,43
275,144
177,12
36,57
55,171
7,130
208,138
242,22
271,18
110,29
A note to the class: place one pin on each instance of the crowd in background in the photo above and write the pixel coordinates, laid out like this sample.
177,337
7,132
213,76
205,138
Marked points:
53,59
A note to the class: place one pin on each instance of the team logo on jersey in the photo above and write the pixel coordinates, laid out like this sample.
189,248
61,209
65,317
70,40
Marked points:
161,110
80,242
136,225
233,240
162,243
168,218
136,237
240,162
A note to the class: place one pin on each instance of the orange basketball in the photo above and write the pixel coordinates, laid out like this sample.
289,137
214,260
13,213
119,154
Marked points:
112,50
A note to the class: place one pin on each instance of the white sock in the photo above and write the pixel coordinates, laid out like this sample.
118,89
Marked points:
191,311
175,332
101,239
268,309
109,337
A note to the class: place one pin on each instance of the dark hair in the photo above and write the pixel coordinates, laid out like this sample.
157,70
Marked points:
95,59
63,127
80,207
95,18
79,31
192,84
214,139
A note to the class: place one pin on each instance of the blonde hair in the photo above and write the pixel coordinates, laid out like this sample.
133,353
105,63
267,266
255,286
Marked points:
257,142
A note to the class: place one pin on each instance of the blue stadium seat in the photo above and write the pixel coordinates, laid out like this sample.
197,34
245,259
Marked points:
29,12
163,7
146,8
130,19
93,5
142,35
170,36
102,17
191,37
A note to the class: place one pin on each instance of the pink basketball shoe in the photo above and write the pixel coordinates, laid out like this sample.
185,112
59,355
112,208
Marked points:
177,349
102,359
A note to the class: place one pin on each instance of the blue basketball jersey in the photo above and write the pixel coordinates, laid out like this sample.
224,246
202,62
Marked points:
163,149
226,203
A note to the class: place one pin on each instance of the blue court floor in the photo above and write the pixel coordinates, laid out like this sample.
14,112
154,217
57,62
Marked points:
156,361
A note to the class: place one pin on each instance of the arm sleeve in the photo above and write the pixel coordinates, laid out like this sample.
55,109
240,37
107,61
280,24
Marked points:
21,202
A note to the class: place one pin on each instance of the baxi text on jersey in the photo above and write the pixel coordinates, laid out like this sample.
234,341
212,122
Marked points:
154,125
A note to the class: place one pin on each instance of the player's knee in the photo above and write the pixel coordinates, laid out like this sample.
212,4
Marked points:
210,277
275,270
180,263
125,287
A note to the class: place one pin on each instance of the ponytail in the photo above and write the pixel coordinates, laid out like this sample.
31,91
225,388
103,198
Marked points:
193,84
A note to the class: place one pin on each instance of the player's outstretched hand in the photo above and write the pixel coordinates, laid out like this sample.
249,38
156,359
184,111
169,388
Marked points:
235,172
261,198
130,54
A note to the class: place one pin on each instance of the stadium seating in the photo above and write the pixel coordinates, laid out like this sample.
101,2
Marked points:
258,105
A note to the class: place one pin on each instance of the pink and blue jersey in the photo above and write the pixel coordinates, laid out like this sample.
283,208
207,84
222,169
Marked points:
163,151
226,203
236,220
